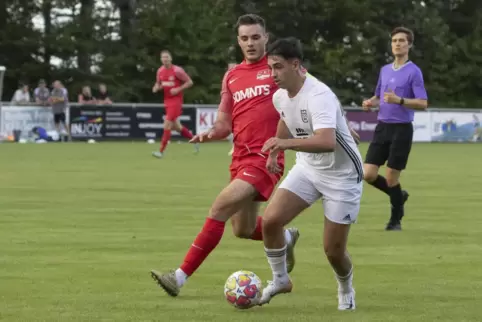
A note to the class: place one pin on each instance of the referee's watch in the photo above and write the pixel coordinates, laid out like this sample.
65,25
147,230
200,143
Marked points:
402,100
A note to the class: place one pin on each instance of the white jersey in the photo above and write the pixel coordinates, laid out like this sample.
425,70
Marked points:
317,107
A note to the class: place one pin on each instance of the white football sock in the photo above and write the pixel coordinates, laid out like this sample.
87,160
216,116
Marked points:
277,261
181,277
345,282
287,237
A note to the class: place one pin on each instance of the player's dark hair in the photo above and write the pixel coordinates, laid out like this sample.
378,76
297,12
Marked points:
288,48
406,31
250,19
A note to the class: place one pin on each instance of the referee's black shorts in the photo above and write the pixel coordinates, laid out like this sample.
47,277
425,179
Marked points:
391,143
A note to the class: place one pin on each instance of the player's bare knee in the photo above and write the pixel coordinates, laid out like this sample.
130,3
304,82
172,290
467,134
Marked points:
393,177
177,126
392,183
271,220
370,172
223,209
218,213
242,231
271,224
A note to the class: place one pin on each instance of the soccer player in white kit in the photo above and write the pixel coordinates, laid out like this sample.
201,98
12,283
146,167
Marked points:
328,167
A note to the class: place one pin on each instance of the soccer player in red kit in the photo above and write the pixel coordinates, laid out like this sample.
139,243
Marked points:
173,80
246,110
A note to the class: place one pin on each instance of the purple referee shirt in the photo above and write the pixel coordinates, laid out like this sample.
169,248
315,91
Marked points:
406,82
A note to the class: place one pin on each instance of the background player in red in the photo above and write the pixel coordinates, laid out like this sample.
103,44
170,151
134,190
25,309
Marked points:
246,110
173,80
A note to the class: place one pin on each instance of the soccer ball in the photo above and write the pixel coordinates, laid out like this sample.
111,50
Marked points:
243,289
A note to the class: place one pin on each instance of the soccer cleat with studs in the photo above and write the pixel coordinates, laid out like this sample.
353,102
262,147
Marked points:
274,289
168,282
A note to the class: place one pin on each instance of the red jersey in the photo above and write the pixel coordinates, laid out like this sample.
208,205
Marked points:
247,93
171,78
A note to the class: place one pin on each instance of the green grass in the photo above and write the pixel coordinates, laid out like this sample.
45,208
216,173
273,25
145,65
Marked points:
81,226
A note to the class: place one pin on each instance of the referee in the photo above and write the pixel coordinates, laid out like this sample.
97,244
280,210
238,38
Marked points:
400,92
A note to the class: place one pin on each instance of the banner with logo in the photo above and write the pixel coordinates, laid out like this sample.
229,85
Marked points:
124,122
87,122
24,118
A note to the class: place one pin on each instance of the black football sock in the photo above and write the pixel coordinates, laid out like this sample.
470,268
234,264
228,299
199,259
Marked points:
396,196
381,184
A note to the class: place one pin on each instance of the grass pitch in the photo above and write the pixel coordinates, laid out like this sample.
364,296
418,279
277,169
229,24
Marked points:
81,226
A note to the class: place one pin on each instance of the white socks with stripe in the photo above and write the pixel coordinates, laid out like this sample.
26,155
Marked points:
345,282
277,261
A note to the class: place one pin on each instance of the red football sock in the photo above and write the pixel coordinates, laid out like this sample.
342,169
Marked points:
166,136
258,231
203,245
186,133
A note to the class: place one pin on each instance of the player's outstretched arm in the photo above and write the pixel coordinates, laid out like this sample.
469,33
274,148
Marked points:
283,133
222,126
220,130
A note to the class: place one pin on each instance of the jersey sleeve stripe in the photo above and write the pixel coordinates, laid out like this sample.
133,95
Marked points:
351,154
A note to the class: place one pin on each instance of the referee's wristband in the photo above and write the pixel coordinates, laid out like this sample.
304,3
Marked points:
402,100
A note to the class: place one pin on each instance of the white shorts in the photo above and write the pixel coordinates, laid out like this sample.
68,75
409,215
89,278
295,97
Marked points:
341,197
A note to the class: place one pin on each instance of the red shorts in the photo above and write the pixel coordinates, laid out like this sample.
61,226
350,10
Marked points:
173,110
253,171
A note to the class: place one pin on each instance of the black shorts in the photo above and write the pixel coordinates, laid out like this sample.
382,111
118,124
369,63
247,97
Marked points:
391,143
58,118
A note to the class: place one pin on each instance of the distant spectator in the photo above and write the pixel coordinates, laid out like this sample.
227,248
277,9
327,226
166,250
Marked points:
86,96
59,99
21,96
103,98
42,93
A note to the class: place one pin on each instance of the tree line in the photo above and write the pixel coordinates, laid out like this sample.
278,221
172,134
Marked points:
117,42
